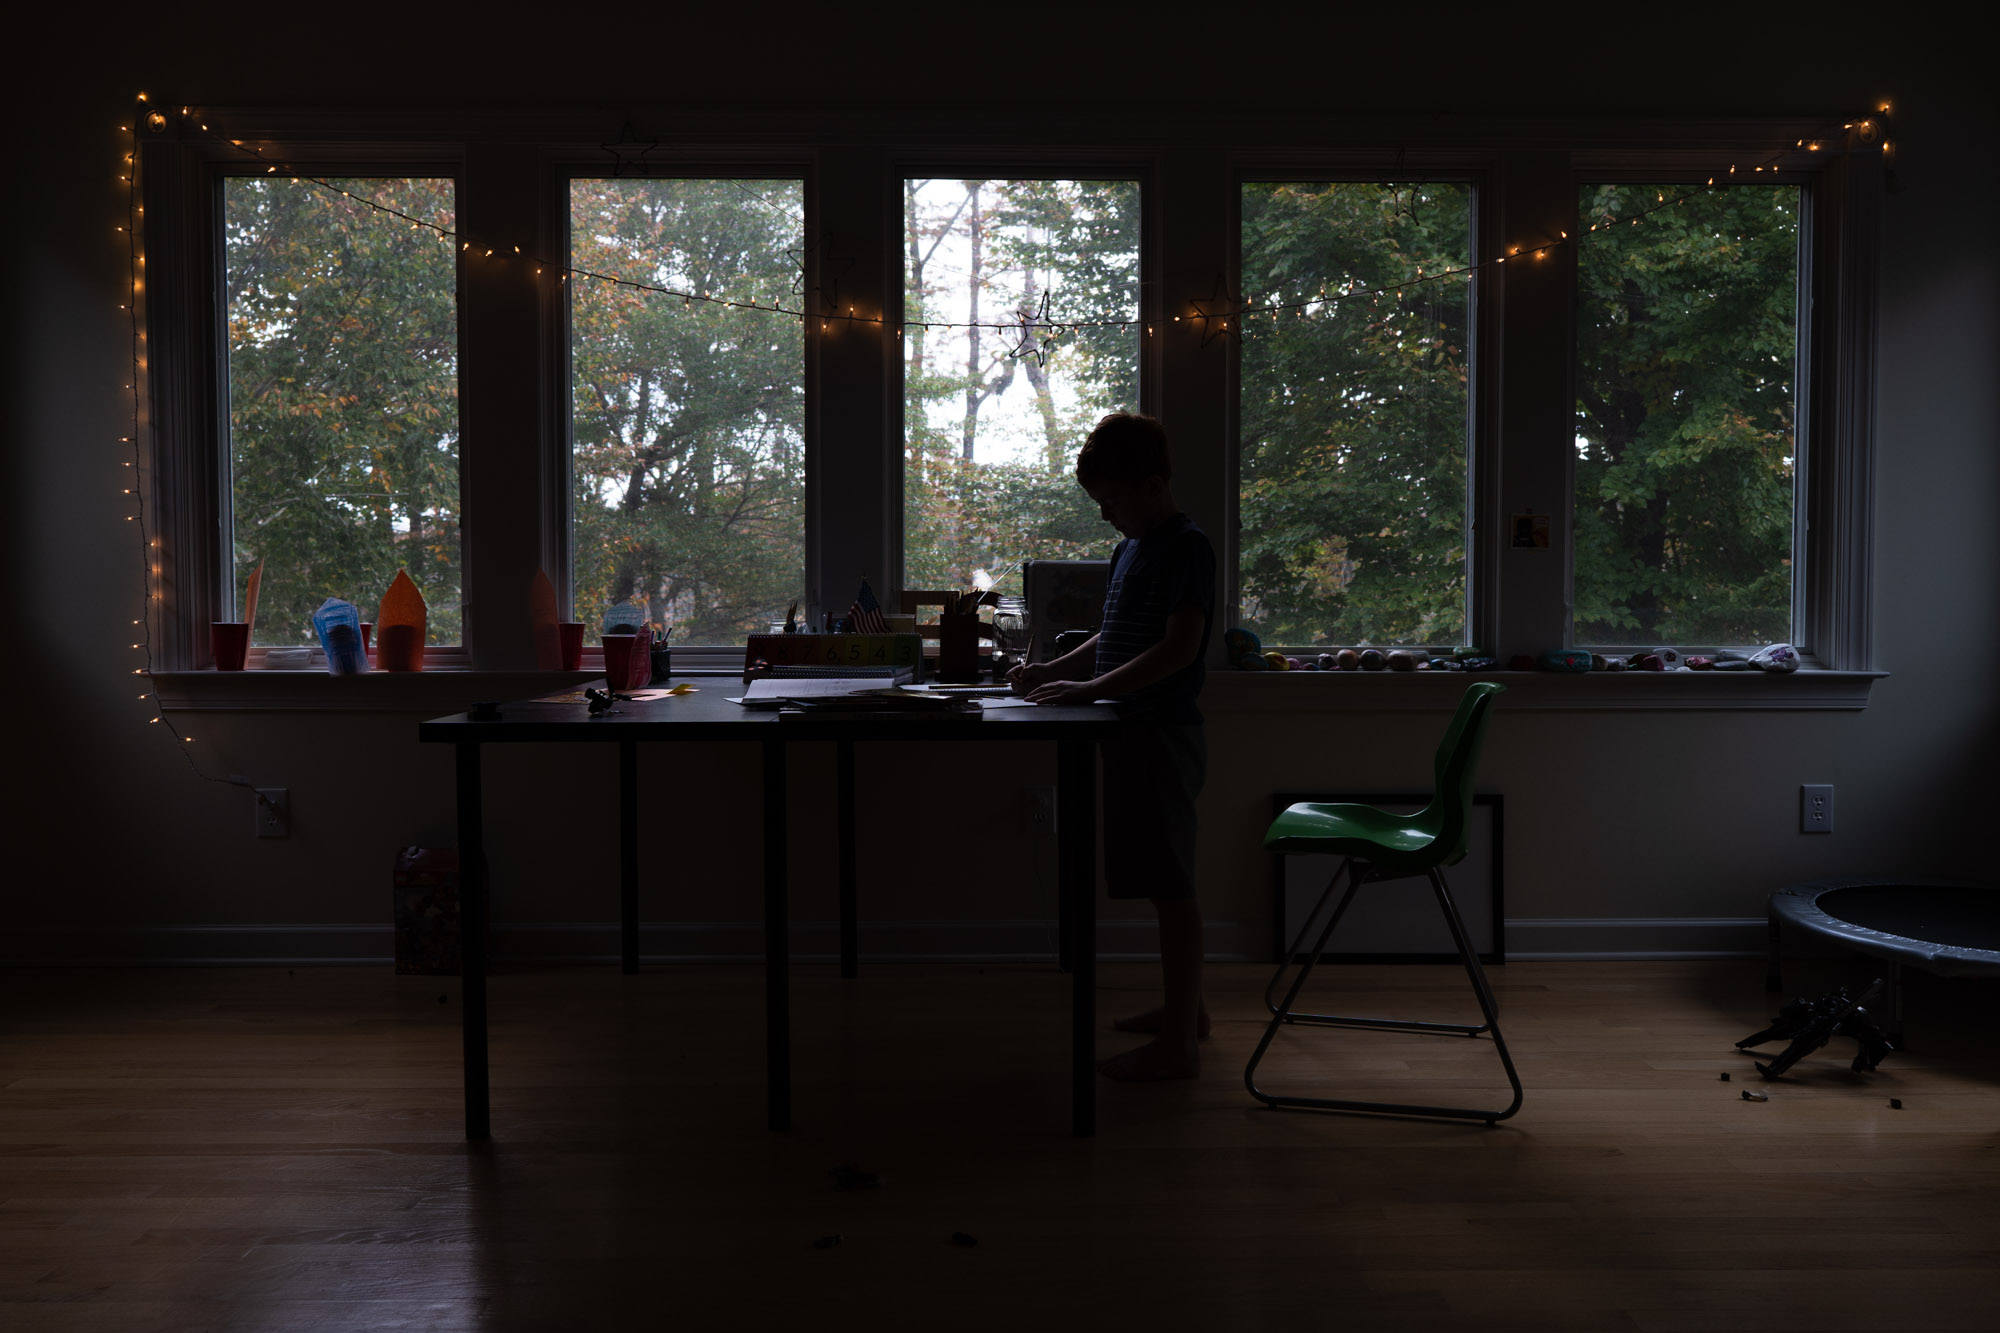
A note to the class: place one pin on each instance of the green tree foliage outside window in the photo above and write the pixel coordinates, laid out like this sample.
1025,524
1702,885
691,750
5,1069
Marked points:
1353,412
1687,343
688,417
343,397
991,427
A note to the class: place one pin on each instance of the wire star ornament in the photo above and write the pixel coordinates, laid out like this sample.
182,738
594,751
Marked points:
1217,309
628,151
832,268
1040,335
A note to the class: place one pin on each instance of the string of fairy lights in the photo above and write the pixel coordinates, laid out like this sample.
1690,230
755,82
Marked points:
1037,333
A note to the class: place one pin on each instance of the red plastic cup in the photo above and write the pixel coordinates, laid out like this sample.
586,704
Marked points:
229,643
623,655
569,636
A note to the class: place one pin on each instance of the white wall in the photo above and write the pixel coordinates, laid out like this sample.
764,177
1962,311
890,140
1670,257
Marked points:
1639,817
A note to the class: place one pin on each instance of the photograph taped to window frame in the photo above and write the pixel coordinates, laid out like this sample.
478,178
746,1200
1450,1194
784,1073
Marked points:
342,346
993,416
688,416
1686,367
1354,418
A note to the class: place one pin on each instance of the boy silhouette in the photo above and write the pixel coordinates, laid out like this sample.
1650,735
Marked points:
1148,656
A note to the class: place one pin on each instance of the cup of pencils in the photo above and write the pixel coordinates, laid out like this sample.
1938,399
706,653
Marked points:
663,655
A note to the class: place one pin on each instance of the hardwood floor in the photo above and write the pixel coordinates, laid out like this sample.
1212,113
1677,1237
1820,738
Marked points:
272,1149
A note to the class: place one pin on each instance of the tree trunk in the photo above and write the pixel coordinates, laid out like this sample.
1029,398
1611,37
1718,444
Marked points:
974,394
1056,452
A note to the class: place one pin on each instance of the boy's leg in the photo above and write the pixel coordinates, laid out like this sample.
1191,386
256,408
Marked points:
1180,969
1173,1052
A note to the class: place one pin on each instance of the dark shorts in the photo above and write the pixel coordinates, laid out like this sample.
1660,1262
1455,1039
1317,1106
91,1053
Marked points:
1152,774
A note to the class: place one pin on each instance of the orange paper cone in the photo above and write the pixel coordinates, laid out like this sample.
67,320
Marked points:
399,626
542,623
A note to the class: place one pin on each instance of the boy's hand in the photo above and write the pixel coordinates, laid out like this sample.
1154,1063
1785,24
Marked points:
1063,692
1028,675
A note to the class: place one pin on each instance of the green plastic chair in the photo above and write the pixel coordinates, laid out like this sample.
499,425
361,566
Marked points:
1377,846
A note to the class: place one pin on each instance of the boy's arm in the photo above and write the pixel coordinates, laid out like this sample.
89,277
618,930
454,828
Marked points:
1179,645
1077,661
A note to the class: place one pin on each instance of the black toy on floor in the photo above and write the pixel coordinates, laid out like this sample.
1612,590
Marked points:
1811,1024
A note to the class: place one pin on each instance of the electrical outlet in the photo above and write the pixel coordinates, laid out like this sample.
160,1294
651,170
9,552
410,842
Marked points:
274,812
1816,808
1038,811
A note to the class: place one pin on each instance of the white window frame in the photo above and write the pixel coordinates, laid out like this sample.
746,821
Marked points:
511,172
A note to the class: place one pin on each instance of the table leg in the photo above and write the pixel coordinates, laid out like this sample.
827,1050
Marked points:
777,950
628,856
1076,854
843,761
472,942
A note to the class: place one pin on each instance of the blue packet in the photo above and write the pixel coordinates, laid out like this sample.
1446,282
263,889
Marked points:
338,625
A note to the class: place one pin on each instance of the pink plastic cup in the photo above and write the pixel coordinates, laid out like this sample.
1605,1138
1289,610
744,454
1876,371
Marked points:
229,643
622,656
569,637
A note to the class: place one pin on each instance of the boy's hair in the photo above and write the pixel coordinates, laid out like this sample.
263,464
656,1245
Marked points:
1125,446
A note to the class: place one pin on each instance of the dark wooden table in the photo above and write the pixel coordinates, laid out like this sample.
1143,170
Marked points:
709,716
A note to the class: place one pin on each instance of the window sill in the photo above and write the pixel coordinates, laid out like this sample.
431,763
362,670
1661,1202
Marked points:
431,692
1251,692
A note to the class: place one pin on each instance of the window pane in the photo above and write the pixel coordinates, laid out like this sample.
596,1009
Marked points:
1687,340
343,398
1353,412
688,417
993,417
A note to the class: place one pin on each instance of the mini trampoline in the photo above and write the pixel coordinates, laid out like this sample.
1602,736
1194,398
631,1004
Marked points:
1948,930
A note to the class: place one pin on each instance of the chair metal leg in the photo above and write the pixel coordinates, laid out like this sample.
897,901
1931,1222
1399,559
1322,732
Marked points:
1481,988
1312,918
1363,874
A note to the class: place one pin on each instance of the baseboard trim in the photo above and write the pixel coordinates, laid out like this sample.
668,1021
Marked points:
369,944
1528,939
1586,939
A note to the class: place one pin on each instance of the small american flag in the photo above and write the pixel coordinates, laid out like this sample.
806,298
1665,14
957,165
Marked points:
865,615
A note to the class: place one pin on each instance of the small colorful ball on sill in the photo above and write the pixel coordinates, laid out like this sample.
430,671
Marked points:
1277,661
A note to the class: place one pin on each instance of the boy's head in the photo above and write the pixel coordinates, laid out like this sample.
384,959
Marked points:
1125,466
1124,447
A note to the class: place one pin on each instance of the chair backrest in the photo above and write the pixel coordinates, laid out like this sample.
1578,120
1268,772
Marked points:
1450,810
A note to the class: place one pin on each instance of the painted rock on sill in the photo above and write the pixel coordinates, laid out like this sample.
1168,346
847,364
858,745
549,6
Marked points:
1241,645
1405,661
1373,659
1347,660
1571,660
1697,662
1777,657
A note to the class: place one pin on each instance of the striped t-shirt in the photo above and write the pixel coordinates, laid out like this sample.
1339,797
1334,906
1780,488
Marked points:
1151,577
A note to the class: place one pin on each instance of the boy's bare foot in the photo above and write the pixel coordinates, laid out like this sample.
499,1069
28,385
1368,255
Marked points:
1154,1061
1150,1022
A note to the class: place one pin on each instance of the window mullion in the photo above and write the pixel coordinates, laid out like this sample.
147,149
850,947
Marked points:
502,410
1532,414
